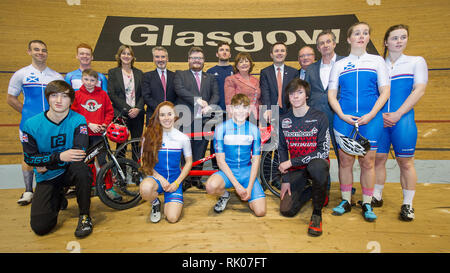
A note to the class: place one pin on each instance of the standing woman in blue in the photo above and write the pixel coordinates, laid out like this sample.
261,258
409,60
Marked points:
409,77
363,82
162,148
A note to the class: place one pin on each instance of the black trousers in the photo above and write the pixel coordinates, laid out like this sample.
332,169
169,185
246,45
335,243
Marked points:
101,157
49,195
136,127
317,170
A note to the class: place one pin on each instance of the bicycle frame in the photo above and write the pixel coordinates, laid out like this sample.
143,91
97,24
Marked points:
265,136
94,150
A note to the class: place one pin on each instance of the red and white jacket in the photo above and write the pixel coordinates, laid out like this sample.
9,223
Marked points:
96,107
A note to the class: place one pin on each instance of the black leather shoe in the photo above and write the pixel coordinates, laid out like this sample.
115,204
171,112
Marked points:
186,185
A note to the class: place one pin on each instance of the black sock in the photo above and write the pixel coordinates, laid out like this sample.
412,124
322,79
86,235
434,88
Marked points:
317,212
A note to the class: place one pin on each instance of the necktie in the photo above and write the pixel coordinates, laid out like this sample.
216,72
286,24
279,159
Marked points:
163,81
280,87
302,74
197,78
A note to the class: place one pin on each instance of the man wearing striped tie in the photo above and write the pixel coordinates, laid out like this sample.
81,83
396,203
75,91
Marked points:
157,85
197,92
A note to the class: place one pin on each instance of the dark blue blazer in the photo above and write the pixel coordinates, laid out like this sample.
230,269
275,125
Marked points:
269,87
153,91
318,98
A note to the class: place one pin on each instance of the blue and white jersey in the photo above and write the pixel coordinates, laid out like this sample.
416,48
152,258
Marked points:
404,73
238,143
358,79
32,83
74,79
174,144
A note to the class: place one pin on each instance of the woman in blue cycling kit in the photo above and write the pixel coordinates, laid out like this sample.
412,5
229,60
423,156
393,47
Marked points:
162,148
409,77
363,82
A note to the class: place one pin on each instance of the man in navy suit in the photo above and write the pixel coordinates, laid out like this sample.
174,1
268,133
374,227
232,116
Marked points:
274,78
157,85
306,57
198,91
318,74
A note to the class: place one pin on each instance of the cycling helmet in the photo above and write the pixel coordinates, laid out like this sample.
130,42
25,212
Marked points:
354,144
117,133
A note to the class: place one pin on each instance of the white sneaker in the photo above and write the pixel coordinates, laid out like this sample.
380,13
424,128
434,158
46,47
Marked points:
222,203
155,214
25,199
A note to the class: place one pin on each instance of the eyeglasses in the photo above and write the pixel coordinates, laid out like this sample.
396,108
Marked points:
196,58
306,55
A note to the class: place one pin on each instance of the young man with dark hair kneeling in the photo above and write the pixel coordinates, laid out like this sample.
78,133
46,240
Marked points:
303,151
54,142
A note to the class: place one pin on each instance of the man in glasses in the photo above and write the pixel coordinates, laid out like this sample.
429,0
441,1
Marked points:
306,57
198,91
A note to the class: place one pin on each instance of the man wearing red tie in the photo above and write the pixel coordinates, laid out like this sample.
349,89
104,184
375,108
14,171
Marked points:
274,79
157,85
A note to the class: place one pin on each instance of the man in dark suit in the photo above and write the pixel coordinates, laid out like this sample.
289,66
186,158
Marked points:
157,85
318,74
274,78
306,57
198,91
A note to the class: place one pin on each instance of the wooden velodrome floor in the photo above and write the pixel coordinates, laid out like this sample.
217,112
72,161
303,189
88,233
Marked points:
63,26
201,230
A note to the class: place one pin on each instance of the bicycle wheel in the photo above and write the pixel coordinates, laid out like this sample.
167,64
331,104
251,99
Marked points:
269,173
130,149
117,192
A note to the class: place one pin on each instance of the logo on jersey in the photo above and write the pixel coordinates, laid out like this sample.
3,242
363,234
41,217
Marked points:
83,129
58,141
32,78
91,105
24,137
286,123
349,66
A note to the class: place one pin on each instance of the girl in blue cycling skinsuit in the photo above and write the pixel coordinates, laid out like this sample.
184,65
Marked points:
409,76
363,82
162,148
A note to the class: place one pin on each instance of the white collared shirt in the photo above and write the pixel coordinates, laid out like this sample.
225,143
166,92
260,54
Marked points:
325,70
160,73
199,75
281,70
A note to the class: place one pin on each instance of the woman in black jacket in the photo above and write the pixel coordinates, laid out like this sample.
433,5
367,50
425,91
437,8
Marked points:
124,90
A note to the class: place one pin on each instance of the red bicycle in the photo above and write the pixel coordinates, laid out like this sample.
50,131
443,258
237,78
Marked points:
269,174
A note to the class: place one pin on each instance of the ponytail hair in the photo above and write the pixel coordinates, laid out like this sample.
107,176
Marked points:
388,32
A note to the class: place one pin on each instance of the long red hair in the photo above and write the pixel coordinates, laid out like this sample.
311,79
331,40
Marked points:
152,139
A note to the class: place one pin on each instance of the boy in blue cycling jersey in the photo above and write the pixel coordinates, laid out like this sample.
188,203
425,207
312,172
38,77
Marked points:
238,152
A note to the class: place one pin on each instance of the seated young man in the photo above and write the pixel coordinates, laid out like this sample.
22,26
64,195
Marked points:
238,152
54,142
303,151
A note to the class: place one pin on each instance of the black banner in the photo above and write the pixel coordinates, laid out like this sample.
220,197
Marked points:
250,35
